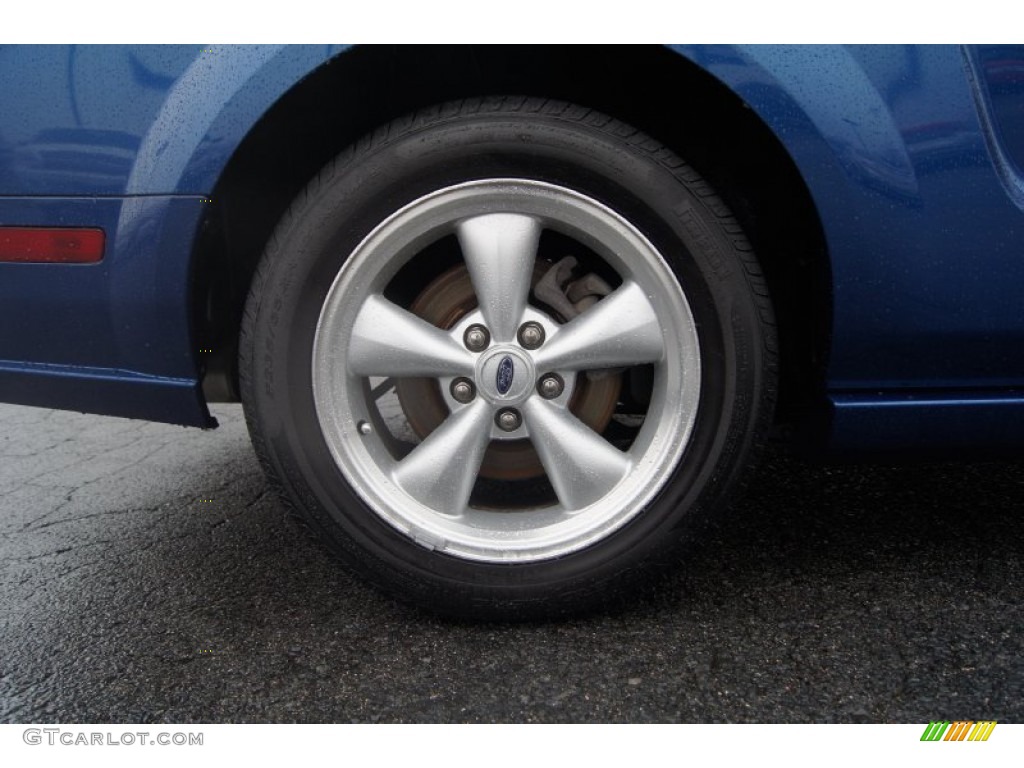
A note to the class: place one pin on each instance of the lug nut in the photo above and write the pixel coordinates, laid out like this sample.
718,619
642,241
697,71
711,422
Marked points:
476,338
462,390
508,419
531,335
550,386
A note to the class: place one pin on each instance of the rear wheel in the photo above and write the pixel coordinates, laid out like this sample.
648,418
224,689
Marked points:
505,354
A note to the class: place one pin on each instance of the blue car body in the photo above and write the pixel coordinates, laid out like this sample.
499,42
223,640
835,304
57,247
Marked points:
911,157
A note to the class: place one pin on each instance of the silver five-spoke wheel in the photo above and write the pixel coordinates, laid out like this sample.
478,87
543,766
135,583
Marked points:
504,356
518,384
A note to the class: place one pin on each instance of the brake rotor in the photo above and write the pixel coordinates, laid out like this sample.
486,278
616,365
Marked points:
443,303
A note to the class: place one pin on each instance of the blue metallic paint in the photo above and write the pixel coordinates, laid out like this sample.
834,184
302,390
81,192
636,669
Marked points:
128,138
997,75
926,424
924,243
125,319
135,119
911,154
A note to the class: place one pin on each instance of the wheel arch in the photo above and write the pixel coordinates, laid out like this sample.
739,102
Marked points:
365,87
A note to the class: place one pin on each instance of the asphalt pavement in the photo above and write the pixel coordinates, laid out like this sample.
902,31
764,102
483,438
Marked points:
146,575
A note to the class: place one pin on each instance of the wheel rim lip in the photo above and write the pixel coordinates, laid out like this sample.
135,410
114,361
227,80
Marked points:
521,536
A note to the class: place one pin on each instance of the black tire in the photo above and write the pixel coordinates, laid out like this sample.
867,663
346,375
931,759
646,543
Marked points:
559,144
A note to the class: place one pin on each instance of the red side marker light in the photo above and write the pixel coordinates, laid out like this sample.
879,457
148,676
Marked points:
51,245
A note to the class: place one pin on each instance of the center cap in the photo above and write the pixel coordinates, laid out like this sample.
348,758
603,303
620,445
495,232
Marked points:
505,375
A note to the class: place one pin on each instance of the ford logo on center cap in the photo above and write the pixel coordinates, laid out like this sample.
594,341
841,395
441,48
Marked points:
506,370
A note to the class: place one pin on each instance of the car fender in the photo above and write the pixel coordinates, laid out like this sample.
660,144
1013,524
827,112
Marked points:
210,108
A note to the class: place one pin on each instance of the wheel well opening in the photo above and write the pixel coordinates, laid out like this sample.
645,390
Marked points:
364,88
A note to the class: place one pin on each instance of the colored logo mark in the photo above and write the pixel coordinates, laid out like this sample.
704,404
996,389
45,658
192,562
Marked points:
958,730
506,371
